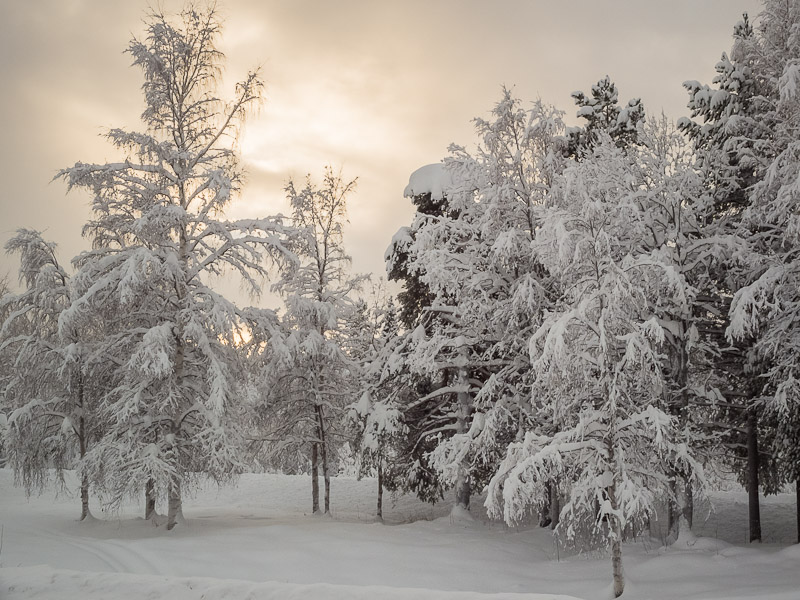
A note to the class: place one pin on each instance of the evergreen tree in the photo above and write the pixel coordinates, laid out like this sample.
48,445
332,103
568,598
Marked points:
732,123
766,309
602,113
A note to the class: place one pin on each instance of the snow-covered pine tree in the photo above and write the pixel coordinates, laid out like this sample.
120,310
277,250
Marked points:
485,289
5,371
768,308
441,349
427,191
310,360
157,233
731,126
503,288
49,390
602,113
597,364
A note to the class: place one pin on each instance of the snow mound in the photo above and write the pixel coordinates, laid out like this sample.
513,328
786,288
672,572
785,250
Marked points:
25,583
430,179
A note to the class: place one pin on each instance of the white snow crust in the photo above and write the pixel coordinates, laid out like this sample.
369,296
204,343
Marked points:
257,540
431,179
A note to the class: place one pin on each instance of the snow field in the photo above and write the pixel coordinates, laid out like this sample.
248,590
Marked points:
258,540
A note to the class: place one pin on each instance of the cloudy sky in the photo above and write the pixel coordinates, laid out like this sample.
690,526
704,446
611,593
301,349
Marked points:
373,87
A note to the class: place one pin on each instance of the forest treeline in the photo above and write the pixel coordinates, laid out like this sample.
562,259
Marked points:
593,319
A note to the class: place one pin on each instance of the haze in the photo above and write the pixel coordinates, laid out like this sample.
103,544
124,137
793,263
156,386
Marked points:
375,88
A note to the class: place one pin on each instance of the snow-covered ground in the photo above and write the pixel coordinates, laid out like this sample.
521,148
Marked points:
258,540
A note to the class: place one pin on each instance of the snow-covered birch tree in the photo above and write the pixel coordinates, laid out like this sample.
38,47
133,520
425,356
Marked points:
376,418
310,359
48,388
597,364
675,206
158,232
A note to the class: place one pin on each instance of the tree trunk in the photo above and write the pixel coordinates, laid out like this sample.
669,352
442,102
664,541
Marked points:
616,566
174,500
752,477
84,497
314,478
797,505
547,497
326,478
555,505
380,490
149,499
616,544
175,505
462,487
613,517
681,513
84,478
323,447
82,444
672,510
688,511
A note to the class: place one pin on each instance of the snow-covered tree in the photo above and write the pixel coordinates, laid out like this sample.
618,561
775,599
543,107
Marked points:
439,350
427,191
486,290
48,388
603,115
768,308
597,364
378,422
158,232
676,206
315,376
376,417
732,126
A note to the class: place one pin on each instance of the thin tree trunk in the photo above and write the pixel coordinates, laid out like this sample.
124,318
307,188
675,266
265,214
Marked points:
174,500
149,499
84,497
616,544
380,490
688,512
616,566
614,523
463,488
797,505
555,505
314,478
82,444
752,477
175,505
544,515
326,478
681,515
681,526
323,446
672,509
